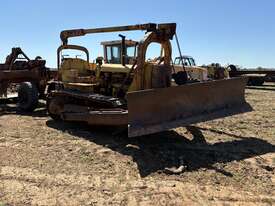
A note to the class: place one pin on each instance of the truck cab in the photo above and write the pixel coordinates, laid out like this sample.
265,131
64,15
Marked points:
188,63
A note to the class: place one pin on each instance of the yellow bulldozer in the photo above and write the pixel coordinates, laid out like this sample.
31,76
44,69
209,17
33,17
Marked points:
124,89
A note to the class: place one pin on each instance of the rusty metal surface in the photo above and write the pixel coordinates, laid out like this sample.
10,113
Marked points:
17,70
90,115
103,117
19,75
156,110
15,52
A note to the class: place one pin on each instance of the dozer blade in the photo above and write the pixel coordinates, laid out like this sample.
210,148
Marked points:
156,110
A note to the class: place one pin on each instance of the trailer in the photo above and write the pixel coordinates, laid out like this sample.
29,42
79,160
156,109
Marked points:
256,77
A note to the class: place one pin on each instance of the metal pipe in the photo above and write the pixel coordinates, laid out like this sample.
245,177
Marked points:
178,44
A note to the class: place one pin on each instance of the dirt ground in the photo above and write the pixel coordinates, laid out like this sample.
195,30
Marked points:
229,161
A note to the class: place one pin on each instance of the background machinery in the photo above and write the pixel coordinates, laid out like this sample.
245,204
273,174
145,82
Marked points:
32,75
201,73
256,77
124,89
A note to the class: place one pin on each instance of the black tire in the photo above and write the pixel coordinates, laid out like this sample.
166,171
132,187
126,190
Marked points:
180,77
55,106
28,97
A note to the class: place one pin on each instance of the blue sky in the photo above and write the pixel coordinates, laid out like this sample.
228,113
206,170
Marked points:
226,31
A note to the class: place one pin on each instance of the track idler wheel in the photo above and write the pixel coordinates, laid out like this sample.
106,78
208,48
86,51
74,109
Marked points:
55,107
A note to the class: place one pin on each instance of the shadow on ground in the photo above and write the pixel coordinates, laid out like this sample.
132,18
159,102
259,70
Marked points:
154,153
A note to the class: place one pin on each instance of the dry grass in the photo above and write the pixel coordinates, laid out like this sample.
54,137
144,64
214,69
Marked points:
225,162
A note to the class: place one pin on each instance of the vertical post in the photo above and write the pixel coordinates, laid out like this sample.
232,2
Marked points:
123,50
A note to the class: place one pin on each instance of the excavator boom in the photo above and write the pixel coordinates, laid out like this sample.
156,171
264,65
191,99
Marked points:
66,34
